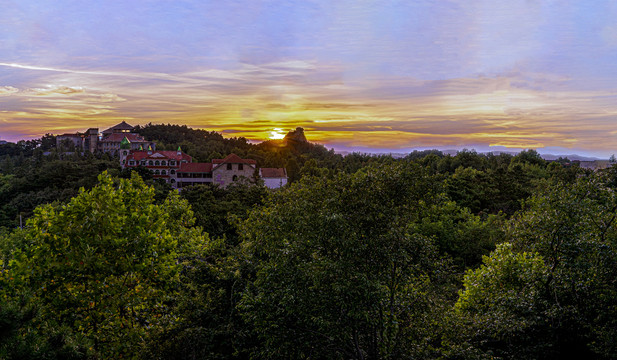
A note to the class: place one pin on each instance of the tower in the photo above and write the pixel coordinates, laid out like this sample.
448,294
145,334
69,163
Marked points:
125,149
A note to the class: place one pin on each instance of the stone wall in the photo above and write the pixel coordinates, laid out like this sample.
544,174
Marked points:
224,177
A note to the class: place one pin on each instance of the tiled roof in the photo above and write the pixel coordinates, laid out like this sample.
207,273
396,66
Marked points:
233,159
117,137
122,126
195,168
172,155
273,173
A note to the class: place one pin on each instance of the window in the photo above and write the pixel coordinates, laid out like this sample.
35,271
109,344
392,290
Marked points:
163,172
143,162
240,167
234,178
156,172
172,162
164,163
157,163
172,172
173,181
131,162
228,166
125,153
150,162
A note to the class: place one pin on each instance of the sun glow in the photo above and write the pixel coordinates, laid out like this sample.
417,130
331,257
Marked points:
276,134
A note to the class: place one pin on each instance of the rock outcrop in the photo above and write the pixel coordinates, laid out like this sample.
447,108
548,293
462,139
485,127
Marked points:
296,135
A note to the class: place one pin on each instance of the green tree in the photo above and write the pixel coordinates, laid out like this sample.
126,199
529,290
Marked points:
550,294
103,266
214,206
496,315
470,188
340,270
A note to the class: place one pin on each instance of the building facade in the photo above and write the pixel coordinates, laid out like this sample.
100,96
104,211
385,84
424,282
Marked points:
231,169
173,167
273,178
108,141
177,168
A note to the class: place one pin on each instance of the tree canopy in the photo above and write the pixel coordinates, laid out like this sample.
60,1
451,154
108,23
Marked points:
104,265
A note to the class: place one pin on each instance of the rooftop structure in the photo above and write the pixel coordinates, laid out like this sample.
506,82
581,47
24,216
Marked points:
123,127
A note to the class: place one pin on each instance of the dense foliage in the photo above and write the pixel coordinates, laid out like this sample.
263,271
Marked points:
426,256
101,268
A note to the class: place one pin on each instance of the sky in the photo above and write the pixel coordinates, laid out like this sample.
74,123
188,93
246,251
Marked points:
355,74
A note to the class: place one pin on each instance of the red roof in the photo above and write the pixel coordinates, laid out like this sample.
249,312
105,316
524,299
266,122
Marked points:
273,173
166,155
195,168
117,137
233,159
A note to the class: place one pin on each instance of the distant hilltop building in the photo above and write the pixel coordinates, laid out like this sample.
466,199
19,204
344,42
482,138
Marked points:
108,141
173,167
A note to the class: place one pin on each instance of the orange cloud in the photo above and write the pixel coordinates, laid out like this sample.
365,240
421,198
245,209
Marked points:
512,110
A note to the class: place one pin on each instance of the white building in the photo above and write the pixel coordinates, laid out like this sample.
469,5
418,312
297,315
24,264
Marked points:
273,178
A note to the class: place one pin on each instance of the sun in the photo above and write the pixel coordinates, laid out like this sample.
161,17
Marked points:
276,134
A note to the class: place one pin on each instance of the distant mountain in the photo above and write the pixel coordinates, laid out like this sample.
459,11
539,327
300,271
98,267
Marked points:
549,157
452,152
571,157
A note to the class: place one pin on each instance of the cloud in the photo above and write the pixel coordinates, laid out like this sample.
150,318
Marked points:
8,90
292,65
51,90
513,109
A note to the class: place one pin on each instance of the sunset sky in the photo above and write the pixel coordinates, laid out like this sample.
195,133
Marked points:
356,74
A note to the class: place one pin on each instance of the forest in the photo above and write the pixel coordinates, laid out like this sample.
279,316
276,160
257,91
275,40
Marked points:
427,256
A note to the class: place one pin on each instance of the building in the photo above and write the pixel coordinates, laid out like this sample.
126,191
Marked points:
111,143
111,139
231,169
173,167
108,141
67,141
194,174
177,168
121,128
91,140
273,178
163,164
